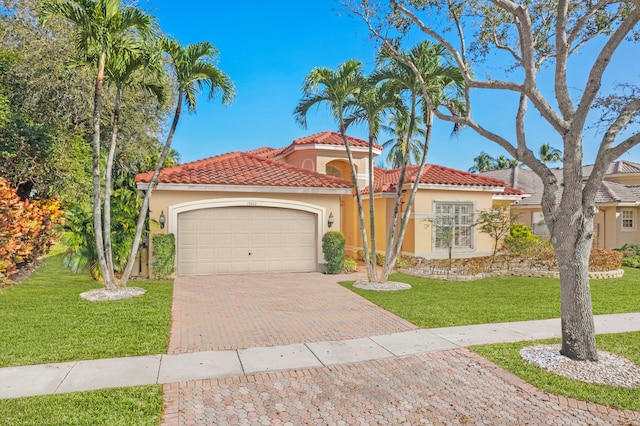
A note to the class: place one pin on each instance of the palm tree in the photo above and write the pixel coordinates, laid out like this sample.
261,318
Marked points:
436,84
503,162
482,163
142,69
338,90
548,154
370,105
100,25
194,68
397,145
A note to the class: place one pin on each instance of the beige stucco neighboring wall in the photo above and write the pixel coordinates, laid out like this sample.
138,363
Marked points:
627,236
321,204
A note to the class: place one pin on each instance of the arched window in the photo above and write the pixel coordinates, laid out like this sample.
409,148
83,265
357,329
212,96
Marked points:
334,171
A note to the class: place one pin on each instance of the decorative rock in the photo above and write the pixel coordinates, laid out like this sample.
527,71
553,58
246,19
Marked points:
611,370
388,286
102,295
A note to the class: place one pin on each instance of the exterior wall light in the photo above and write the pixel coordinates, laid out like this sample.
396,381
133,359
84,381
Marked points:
162,220
331,220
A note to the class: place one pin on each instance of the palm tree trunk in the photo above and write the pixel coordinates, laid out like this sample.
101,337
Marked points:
97,211
147,196
393,253
354,181
391,236
108,184
372,213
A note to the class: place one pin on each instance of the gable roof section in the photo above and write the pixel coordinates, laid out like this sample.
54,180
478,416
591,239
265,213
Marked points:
387,180
621,167
327,138
240,168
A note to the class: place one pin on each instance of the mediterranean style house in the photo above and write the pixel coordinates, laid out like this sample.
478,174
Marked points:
618,202
266,210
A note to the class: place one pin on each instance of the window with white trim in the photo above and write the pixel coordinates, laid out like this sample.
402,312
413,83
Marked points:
538,225
453,225
628,219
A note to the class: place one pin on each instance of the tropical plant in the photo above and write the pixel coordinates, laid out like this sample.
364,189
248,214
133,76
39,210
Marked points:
194,68
398,126
549,154
102,28
497,223
482,163
337,89
426,67
369,105
503,162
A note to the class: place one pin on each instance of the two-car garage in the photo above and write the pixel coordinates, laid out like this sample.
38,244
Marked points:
246,239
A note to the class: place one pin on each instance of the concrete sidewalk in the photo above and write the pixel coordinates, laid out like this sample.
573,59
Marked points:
77,376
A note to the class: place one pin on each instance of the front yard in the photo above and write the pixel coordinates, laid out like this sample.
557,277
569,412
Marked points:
431,303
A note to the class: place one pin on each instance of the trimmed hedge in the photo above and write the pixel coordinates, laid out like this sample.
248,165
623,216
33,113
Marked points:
333,250
349,265
164,255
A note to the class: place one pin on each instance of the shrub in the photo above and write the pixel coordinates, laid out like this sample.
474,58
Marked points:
349,265
604,260
631,261
380,259
360,255
401,262
26,229
521,239
164,255
333,250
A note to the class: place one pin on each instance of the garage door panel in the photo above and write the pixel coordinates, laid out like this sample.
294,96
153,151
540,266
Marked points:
219,240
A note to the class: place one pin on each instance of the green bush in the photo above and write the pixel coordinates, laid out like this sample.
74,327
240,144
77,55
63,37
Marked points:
333,250
631,261
401,262
349,265
380,259
164,255
360,255
521,240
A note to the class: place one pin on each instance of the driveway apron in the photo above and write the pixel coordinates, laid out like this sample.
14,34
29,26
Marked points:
243,311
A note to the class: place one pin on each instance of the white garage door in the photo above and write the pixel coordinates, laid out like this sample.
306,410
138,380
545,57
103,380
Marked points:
236,240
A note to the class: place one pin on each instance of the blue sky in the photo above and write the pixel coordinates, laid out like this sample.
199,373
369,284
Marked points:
268,47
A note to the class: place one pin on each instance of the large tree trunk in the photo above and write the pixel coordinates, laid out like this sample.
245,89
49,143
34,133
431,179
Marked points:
573,250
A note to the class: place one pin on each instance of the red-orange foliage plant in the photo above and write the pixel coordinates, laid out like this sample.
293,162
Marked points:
26,229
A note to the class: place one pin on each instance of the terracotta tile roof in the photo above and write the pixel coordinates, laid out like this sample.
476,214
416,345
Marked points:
265,152
387,180
326,138
240,168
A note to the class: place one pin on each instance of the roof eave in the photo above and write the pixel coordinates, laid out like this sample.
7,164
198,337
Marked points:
143,186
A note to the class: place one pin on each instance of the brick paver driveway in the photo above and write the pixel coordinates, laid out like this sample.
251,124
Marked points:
454,387
242,311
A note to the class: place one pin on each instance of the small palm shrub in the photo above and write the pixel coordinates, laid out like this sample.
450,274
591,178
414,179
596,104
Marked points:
333,250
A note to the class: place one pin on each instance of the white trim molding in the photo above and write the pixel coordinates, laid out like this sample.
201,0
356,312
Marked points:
244,188
174,210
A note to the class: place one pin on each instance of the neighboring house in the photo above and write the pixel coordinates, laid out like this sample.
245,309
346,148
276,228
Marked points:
266,210
617,200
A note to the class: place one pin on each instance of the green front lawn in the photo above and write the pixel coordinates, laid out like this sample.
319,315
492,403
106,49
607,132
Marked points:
626,344
43,319
432,303
140,405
